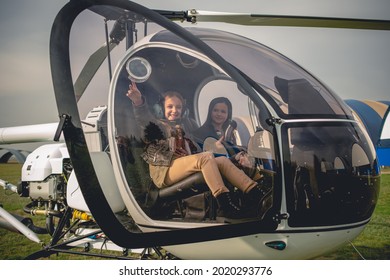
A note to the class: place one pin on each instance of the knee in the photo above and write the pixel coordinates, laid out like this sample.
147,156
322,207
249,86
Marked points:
223,160
206,157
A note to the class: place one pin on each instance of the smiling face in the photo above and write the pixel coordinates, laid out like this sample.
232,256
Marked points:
173,108
219,114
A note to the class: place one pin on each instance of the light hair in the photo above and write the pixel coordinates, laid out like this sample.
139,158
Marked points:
171,94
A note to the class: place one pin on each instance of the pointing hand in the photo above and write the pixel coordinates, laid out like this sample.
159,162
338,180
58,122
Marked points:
134,94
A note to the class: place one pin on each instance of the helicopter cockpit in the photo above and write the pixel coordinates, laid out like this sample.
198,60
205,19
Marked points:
157,65
293,125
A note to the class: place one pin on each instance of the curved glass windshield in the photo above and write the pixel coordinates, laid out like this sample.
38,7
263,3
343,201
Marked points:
289,88
332,175
294,91
199,81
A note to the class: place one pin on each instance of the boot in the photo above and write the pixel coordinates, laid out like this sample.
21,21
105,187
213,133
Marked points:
227,205
258,200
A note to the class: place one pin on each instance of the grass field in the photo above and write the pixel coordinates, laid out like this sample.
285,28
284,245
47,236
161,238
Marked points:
373,243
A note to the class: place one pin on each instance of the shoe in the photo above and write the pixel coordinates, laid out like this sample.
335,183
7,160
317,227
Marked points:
258,200
228,207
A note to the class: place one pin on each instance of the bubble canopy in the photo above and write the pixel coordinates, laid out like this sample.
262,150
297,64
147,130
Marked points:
311,148
290,89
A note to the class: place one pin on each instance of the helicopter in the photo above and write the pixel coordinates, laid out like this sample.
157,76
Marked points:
306,143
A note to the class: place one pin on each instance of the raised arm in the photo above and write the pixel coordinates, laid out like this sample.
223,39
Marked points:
150,126
135,95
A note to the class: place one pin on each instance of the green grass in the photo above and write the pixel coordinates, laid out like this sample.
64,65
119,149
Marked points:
12,245
373,243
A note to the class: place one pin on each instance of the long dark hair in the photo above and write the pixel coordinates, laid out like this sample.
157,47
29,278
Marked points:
211,107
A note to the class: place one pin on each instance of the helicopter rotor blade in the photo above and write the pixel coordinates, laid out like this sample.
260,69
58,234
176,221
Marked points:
285,20
118,33
93,64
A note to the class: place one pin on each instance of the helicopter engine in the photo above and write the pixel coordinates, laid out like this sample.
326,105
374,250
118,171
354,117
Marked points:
44,173
49,181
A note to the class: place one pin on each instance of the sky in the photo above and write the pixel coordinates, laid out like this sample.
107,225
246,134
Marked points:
353,63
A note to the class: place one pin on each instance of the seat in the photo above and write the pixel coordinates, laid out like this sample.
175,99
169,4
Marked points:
185,199
190,186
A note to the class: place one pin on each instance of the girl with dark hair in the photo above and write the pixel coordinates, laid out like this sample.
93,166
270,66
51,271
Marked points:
219,117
